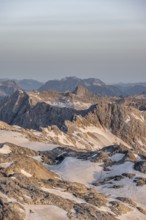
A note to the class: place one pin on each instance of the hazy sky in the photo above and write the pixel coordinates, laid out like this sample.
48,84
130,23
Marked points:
47,39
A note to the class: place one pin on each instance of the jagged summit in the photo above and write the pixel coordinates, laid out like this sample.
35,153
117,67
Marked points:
8,87
82,91
14,107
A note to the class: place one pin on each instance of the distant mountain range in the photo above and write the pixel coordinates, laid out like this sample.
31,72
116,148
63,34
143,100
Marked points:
96,86
29,84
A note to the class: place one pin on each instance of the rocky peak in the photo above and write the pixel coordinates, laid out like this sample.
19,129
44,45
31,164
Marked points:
81,91
14,106
8,87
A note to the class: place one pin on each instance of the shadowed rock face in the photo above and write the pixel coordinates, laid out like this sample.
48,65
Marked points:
141,166
8,87
14,107
18,110
124,121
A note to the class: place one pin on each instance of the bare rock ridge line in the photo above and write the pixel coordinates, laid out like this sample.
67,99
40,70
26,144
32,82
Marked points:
41,115
124,121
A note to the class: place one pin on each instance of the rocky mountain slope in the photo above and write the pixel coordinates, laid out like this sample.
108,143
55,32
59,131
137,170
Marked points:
117,116
80,98
72,155
27,115
51,182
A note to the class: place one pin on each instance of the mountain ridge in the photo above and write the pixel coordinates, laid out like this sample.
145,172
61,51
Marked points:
68,84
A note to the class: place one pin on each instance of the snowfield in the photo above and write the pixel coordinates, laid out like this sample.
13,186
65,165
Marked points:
76,170
63,194
45,212
21,140
86,172
81,171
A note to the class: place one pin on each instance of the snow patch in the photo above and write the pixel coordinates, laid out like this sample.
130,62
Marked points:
134,215
140,118
76,170
5,149
21,140
127,120
26,173
117,157
45,212
63,194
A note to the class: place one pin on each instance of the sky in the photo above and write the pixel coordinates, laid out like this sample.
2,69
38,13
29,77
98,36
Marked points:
52,39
